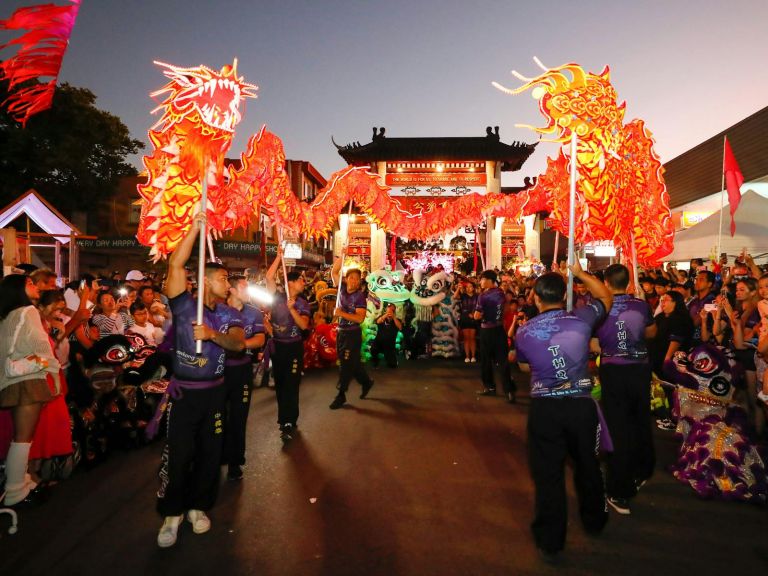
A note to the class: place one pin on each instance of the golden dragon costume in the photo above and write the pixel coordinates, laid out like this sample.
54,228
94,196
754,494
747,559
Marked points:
620,192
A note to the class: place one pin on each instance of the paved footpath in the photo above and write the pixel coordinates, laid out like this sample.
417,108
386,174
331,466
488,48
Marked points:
421,478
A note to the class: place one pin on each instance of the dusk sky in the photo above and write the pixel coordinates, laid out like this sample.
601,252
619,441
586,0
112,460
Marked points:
424,68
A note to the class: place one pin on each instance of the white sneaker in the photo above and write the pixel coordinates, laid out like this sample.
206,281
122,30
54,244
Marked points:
199,520
467,360
169,531
473,360
763,397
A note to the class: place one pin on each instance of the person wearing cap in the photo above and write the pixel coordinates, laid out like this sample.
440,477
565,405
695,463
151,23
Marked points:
563,419
135,278
494,363
190,465
625,376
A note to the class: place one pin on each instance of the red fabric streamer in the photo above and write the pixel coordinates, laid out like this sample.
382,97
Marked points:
40,53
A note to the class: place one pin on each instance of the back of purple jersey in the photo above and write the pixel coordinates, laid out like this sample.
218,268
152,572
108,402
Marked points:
349,302
622,333
209,365
556,346
491,304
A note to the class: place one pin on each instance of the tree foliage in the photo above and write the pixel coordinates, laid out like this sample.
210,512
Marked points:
73,153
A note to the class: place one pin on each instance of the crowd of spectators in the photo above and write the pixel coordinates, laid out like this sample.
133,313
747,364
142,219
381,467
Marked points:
711,303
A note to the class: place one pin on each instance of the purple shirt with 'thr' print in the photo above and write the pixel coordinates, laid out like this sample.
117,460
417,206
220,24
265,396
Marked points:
622,333
556,346
491,304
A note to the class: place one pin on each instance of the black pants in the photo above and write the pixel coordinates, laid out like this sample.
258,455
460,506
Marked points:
386,346
348,344
189,473
287,364
238,381
494,362
626,400
557,428
422,339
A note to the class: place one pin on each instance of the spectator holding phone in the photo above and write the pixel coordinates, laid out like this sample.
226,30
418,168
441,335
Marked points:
703,286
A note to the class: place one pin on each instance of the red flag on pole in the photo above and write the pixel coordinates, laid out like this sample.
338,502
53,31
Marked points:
33,71
733,181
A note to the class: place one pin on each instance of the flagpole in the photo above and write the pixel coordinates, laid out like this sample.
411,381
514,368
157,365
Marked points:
480,247
557,246
279,246
571,225
343,249
635,274
722,195
201,255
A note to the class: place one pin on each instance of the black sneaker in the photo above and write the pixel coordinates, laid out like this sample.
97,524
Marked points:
640,483
338,402
234,473
548,556
366,389
621,505
286,432
665,424
487,392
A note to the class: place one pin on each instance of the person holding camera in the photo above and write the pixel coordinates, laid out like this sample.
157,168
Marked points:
387,327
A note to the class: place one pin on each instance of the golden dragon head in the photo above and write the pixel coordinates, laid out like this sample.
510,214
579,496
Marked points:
202,93
572,100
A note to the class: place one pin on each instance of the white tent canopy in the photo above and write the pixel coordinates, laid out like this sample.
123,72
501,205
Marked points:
41,213
751,219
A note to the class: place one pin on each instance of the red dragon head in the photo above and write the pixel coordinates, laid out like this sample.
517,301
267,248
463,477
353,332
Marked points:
213,96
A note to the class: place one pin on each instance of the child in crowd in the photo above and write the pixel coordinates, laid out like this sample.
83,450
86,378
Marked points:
143,327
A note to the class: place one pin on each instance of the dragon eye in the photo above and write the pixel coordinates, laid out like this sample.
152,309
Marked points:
704,364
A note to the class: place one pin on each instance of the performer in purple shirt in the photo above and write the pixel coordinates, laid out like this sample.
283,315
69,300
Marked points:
238,377
190,464
349,340
625,377
494,362
563,419
290,316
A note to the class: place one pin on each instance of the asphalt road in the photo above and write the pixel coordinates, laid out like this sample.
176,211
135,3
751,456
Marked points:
424,477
